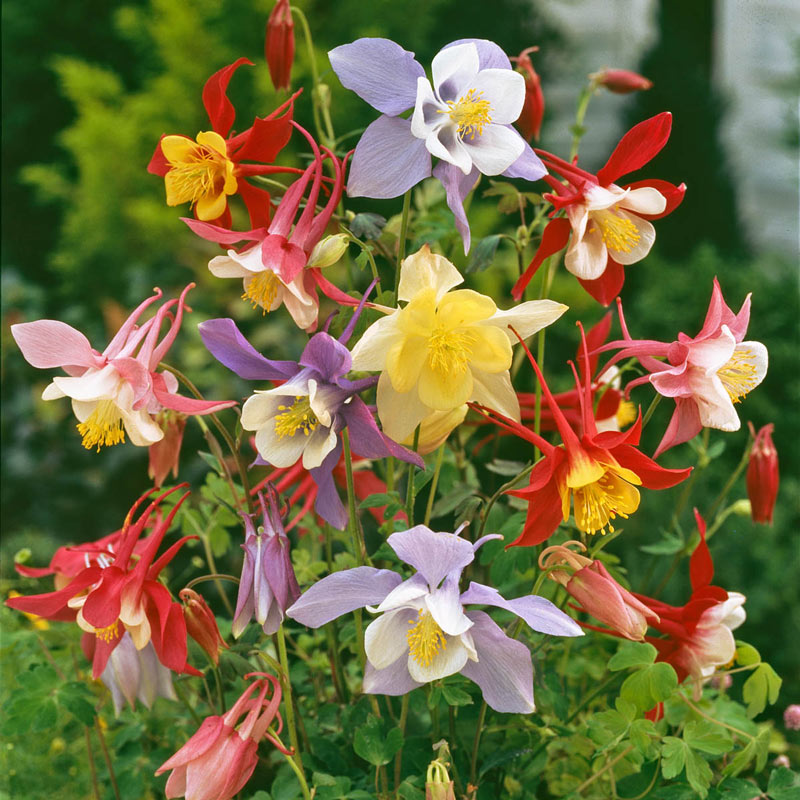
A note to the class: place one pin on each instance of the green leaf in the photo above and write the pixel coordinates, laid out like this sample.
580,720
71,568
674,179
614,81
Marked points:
502,757
632,654
669,545
762,686
454,696
649,685
77,699
673,756
698,773
643,736
373,746
483,254
379,500
407,791
783,784
746,654
707,737
219,540
506,468
450,501
367,225
757,748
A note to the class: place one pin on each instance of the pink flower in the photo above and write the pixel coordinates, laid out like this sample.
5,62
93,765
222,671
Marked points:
118,391
621,81
219,759
791,717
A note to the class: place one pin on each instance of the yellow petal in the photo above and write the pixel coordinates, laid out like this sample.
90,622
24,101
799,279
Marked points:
443,390
209,208
425,270
404,362
177,149
463,307
213,140
490,349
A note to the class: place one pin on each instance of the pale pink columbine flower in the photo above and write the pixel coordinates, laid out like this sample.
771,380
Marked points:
117,391
791,717
219,759
706,374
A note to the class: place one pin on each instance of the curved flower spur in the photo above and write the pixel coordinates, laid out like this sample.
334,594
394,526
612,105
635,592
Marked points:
464,118
423,632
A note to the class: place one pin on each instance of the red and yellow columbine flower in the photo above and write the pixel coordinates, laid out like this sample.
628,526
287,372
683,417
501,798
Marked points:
207,170
597,474
124,595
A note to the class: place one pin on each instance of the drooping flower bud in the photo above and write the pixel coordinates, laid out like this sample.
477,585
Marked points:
590,583
530,119
279,45
621,81
329,250
165,453
201,624
762,475
438,785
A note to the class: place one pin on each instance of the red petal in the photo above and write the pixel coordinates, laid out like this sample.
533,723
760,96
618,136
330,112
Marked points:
673,194
544,516
102,650
158,164
215,233
554,238
638,146
257,202
653,476
701,566
266,138
47,605
219,109
595,338
605,288
102,605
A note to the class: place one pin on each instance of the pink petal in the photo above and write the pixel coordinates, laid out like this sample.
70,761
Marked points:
49,343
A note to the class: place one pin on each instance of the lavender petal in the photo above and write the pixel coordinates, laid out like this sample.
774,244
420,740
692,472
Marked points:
457,185
367,440
434,554
527,166
394,680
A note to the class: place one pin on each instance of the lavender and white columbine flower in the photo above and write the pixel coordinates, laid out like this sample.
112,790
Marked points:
305,415
463,118
268,584
423,632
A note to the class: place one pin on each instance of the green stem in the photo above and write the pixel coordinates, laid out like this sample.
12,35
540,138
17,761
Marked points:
189,707
288,704
434,482
211,563
650,409
589,781
401,242
368,250
359,547
106,757
703,714
410,486
312,62
398,759
577,131
496,496
92,767
215,577
297,771
473,764
733,478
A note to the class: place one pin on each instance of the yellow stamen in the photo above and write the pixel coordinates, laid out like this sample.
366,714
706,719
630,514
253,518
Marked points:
597,503
470,113
626,413
102,427
618,233
739,375
108,634
199,174
261,289
449,350
294,417
425,639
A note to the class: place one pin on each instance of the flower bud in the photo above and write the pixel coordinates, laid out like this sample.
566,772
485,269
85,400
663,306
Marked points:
791,717
328,250
438,785
165,453
621,81
530,118
201,624
279,45
762,475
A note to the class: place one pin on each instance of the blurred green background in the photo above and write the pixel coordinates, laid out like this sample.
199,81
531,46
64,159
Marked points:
89,86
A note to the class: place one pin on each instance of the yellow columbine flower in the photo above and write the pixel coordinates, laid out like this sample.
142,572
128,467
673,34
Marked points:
444,348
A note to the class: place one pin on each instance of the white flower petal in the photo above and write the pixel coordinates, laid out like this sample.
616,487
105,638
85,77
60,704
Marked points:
599,198
645,200
587,257
94,384
647,235
371,349
445,607
141,428
495,150
526,318
227,267
405,594
505,91
429,112
321,441
445,143
262,407
454,69
385,639
447,661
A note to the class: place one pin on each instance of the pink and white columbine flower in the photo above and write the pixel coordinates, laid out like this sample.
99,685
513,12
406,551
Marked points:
117,391
706,374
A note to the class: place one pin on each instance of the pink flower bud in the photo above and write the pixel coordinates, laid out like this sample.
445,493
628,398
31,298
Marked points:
791,717
621,81
201,624
165,453
762,475
279,44
530,118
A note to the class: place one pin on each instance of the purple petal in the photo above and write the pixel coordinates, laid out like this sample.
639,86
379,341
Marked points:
490,55
393,680
227,344
245,602
527,166
341,593
368,441
503,669
327,356
328,503
388,160
458,186
276,566
487,538
540,614
378,71
434,554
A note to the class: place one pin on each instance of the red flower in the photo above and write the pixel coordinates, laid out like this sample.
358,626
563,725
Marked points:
609,225
201,624
124,595
206,171
762,475
279,45
621,81
530,118
600,470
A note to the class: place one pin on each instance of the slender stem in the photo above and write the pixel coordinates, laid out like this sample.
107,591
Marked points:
410,485
218,681
216,577
703,714
336,665
92,767
496,496
287,690
189,707
312,62
473,765
390,474
297,771
359,547
650,409
743,461
588,699
580,114
368,250
106,757
434,482
605,769
401,242
398,759
211,563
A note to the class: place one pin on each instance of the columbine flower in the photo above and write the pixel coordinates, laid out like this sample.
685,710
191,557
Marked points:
279,44
278,268
268,585
621,81
423,633
201,624
762,475
219,759
698,636
208,170
599,470
706,375
463,118
164,455
132,674
609,224
443,348
590,583
530,118
119,390
124,595
303,417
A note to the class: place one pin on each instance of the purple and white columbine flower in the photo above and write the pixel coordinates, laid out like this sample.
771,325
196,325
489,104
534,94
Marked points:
463,118
268,584
305,415
423,632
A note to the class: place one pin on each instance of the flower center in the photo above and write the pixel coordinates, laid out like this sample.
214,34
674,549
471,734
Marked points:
470,113
261,289
597,503
626,413
449,351
297,416
196,175
425,639
102,427
618,233
739,375
109,633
